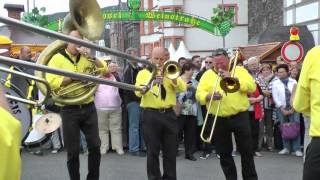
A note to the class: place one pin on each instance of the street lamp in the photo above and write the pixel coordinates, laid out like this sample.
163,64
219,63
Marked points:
223,37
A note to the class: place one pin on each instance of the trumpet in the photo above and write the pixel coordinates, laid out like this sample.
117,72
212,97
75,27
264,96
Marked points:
170,70
228,85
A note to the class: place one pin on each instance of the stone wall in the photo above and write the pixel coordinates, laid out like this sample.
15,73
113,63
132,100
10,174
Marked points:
263,14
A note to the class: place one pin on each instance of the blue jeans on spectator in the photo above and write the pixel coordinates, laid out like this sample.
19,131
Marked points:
135,138
295,117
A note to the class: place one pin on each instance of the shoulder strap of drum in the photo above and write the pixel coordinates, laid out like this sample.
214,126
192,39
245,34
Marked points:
64,53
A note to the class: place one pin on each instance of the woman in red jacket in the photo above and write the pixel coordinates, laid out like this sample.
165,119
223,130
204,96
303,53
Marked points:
255,114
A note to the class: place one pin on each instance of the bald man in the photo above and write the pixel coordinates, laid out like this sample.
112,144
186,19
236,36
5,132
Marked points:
25,53
159,122
78,117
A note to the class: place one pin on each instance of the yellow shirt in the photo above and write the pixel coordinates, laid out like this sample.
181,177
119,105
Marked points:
149,100
307,96
10,137
60,62
232,103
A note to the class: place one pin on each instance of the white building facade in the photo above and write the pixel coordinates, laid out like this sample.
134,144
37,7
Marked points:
197,41
303,12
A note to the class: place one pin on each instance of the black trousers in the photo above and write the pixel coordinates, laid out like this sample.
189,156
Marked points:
188,126
85,118
239,125
160,129
311,169
268,122
208,147
254,125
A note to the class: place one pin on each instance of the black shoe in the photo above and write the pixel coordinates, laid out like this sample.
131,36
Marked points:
191,157
205,155
178,153
138,153
38,153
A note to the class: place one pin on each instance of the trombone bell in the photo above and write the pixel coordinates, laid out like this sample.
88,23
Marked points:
229,85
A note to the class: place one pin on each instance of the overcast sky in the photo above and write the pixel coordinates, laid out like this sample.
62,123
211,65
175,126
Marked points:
51,6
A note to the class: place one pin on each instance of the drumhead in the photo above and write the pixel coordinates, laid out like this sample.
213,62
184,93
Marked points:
36,138
20,110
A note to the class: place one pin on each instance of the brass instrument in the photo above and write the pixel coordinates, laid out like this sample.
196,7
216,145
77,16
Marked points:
86,17
228,85
170,70
231,84
209,138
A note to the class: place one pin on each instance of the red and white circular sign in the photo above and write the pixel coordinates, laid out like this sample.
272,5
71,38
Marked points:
292,51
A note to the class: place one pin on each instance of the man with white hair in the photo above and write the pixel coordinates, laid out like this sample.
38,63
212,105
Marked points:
253,66
256,125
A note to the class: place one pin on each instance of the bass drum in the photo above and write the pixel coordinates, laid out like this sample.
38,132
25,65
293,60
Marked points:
18,87
36,138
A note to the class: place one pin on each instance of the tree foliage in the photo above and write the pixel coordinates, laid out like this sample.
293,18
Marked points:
223,19
35,17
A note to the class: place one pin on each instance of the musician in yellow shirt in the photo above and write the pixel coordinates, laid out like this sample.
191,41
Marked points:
307,101
159,122
233,116
10,137
82,116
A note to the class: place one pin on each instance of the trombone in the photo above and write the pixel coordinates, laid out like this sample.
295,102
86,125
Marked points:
208,139
228,85
231,84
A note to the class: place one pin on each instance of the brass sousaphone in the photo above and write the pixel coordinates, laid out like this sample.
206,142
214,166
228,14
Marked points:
84,16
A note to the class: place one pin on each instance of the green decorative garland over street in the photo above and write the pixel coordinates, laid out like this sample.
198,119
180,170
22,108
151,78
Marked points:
219,25
161,16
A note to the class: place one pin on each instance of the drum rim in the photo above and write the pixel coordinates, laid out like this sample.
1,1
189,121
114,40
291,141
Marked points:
43,140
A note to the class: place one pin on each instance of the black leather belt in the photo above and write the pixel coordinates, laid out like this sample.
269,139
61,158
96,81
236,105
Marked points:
161,110
81,106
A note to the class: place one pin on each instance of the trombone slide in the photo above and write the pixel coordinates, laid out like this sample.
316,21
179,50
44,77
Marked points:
209,138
